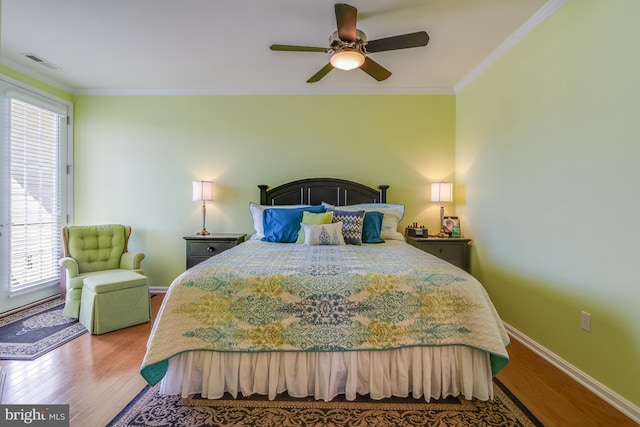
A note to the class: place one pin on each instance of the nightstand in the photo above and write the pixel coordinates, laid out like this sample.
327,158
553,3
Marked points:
455,251
201,248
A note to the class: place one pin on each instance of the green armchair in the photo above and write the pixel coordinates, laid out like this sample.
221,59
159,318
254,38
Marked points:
106,288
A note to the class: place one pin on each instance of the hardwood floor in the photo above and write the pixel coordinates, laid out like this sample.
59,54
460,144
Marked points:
554,397
98,375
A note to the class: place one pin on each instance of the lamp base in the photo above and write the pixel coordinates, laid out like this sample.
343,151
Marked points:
203,232
442,233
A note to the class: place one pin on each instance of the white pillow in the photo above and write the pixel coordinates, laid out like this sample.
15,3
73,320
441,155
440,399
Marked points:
392,215
256,214
323,234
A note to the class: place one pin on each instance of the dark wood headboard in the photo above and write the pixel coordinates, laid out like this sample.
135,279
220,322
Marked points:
313,191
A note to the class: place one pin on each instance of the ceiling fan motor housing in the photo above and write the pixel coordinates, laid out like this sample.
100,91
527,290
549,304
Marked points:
337,44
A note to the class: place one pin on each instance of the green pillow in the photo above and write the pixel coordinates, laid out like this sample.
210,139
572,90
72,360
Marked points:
313,219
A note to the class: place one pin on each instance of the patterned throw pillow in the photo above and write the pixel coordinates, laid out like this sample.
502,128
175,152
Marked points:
323,234
313,218
351,225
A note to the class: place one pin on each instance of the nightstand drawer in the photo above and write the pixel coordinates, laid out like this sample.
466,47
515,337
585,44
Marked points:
455,251
209,248
442,250
201,248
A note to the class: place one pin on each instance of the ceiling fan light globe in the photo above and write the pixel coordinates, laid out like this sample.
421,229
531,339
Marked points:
347,59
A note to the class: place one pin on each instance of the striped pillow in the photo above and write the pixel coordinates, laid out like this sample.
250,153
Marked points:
351,225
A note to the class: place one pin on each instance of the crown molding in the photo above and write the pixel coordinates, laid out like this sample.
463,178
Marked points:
268,91
35,75
536,19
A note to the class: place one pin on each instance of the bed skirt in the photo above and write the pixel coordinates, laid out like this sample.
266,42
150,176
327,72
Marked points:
432,372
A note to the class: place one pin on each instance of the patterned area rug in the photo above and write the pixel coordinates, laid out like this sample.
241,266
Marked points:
151,409
30,333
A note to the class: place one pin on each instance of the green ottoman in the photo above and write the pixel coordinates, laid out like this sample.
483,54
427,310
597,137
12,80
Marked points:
114,299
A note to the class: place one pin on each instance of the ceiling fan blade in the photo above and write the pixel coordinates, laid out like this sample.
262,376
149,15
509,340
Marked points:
404,41
375,70
289,48
320,74
346,17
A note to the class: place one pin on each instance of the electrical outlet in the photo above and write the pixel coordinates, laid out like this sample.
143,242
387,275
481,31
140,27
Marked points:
585,321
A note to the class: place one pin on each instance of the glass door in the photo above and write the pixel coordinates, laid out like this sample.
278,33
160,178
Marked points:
33,196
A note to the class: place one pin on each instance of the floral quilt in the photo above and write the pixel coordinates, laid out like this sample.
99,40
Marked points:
262,296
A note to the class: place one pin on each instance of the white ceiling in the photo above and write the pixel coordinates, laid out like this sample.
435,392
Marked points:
222,46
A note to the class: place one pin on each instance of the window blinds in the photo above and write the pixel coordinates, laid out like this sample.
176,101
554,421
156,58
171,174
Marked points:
34,139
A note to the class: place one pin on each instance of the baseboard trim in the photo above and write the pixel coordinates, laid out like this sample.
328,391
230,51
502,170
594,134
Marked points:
157,290
605,393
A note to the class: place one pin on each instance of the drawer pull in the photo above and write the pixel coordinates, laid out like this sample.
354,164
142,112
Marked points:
441,250
210,249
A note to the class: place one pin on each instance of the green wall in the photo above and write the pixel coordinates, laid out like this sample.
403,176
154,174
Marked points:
547,167
135,158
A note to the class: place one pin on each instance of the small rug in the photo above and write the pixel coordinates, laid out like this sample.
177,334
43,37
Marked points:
150,408
30,333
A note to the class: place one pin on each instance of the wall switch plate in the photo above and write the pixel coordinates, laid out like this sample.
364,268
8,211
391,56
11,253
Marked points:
585,321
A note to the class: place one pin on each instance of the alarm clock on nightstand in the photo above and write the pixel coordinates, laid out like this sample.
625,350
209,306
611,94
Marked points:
415,231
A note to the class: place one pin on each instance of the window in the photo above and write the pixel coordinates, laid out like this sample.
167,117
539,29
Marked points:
34,140
34,188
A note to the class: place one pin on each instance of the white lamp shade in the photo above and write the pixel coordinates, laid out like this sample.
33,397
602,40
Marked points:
347,59
441,192
202,190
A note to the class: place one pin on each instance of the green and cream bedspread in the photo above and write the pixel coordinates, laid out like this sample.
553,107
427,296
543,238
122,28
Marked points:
263,297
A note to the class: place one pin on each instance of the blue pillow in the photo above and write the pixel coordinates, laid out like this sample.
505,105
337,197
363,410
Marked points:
371,227
283,225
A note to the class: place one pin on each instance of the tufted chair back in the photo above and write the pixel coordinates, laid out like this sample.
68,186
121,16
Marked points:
96,247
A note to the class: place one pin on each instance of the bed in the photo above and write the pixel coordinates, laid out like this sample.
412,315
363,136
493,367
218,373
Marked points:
295,309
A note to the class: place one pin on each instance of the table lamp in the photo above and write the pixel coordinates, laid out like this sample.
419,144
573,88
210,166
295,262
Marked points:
442,192
203,191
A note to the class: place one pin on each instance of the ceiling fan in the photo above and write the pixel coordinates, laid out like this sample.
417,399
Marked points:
349,46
